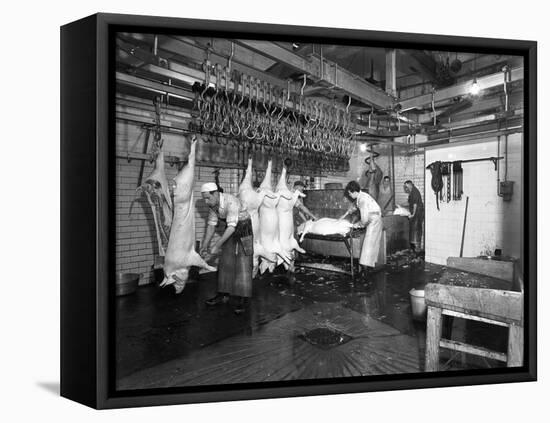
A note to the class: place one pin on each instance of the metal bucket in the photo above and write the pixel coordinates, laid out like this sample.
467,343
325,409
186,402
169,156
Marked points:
418,304
126,283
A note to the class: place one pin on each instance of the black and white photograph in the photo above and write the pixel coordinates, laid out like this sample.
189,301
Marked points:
297,210
242,211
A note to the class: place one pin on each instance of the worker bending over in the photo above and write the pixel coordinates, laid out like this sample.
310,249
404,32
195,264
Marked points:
236,245
371,218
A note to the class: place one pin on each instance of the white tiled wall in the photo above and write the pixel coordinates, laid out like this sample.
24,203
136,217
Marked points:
136,240
491,222
136,244
407,166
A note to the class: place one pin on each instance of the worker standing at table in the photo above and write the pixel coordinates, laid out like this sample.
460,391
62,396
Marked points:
236,245
371,217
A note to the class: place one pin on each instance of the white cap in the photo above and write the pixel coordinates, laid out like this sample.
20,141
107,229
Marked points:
209,186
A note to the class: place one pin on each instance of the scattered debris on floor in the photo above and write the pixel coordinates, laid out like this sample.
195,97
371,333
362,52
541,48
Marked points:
404,259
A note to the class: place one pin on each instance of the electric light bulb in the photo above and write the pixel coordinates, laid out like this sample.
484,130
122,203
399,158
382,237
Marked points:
474,89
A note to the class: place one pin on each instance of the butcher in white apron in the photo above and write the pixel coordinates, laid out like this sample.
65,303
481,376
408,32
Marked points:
371,217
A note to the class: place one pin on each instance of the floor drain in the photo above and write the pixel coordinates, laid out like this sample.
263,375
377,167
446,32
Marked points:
325,338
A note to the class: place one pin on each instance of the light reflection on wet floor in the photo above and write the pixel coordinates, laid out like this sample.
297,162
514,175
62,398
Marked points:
158,332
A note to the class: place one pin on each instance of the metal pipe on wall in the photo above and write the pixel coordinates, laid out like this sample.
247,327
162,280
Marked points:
498,166
505,157
393,170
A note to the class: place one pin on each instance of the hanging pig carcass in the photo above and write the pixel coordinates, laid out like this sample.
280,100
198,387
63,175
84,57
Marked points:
181,254
252,199
285,212
272,251
158,196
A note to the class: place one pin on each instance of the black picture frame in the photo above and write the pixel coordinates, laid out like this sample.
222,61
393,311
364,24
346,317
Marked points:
87,85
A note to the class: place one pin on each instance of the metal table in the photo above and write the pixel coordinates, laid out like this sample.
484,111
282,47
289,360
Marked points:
346,239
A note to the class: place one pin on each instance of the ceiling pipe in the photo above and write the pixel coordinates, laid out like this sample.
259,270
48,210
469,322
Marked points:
156,45
461,89
482,135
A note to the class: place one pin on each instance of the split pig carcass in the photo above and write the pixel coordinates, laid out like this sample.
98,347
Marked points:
252,199
157,192
181,254
273,253
285,212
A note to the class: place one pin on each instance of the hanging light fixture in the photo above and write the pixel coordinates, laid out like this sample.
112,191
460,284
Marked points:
474,89
363,147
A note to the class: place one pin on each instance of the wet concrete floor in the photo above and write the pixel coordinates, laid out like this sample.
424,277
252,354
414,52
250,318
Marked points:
322,325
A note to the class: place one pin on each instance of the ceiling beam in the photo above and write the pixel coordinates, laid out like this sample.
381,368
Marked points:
173,71
152,86
222,46
461,89
484,65
242,61
184,48
455,108
424,62
324,71
478,106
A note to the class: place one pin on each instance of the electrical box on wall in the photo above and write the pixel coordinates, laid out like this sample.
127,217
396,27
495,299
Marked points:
506,189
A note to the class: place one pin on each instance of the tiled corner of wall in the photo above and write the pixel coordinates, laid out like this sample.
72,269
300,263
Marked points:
491,222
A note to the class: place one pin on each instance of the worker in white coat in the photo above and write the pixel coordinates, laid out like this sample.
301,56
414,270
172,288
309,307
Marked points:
371,217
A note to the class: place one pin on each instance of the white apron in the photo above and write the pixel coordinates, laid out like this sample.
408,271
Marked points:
371,243
372,217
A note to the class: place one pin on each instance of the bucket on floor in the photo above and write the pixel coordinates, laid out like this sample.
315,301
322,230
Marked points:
418,304
158,269
126,283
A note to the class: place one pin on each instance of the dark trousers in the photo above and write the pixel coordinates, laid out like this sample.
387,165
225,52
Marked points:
235,267
415,231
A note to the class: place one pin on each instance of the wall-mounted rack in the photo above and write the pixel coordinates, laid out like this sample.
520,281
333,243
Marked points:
485,159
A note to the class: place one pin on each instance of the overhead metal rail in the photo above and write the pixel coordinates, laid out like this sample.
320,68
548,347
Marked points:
325,71
193,75
461,89
316,67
